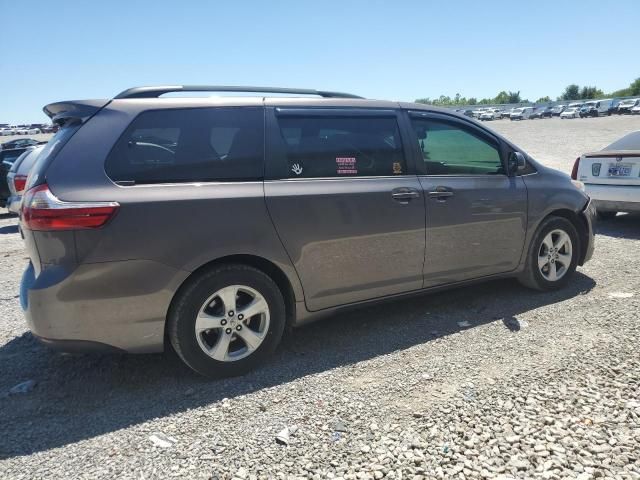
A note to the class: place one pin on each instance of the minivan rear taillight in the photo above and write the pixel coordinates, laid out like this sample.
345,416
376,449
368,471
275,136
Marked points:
574,170
19,182
42,210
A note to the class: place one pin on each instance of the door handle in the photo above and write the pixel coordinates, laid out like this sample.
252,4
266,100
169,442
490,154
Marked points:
404,195
441,193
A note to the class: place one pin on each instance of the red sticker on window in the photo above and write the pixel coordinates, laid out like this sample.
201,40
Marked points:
346,166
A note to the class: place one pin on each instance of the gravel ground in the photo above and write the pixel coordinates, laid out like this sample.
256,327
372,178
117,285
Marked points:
538,385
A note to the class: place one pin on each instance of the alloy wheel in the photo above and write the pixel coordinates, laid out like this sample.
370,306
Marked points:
232,323
555,255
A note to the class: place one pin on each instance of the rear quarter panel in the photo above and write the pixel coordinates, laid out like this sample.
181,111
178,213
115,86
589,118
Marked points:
183,226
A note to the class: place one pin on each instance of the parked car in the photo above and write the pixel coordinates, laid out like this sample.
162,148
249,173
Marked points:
7,157
490,114
17,177
506,113
605,106
6,131
132,243
589,109
635,110
479,111
557,110
50,129
625,106
467,113
572,112
27,130
19,143
522,113
611,177
542,112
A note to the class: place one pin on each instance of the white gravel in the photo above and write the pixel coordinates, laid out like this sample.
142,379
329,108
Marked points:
541,385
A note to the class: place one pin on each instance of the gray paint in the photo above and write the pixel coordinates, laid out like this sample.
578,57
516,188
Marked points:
339,242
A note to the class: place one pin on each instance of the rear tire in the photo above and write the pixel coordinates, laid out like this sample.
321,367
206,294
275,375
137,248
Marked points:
206,320
606,215
553,255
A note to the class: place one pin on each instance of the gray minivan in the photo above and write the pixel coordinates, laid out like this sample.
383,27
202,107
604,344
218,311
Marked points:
212,224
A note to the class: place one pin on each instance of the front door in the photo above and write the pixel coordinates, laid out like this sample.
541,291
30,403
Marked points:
348,211
476,213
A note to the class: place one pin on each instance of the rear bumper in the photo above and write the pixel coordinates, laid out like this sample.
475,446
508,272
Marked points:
112,306
618,198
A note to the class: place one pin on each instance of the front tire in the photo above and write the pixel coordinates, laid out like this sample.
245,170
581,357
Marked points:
553,255
227,320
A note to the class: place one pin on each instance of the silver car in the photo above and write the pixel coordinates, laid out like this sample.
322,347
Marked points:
212,224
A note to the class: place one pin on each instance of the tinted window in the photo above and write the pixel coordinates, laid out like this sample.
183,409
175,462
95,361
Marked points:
190,145
449,149
10,156
49,152
342,146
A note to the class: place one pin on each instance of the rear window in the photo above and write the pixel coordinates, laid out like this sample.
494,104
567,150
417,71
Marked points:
342,146
10,156
51,149
190,145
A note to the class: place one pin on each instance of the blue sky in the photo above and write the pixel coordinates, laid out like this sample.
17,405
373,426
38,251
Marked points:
399,50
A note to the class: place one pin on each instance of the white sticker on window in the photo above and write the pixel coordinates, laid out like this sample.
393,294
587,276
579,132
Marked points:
346,166
296,168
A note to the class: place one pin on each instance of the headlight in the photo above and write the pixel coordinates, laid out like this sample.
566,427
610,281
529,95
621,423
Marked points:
578,184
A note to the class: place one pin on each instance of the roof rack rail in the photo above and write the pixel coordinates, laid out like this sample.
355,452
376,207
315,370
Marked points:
154,92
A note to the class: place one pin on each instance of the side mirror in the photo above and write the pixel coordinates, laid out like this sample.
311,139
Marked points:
517,162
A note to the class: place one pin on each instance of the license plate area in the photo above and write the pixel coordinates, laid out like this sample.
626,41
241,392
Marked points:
619,170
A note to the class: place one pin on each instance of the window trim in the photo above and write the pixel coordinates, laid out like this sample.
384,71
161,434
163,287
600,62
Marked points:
462,125
276,165
125,183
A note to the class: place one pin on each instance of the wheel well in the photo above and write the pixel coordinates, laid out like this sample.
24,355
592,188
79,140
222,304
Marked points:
581,227
262,264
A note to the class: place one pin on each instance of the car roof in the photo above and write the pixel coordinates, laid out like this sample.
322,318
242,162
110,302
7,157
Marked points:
293,102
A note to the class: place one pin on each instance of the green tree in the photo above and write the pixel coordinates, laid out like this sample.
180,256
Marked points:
502,97
634,88
543,100
572,92
591,92
426,101
472,101
514,97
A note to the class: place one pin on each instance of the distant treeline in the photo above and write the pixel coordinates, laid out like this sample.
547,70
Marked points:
572,92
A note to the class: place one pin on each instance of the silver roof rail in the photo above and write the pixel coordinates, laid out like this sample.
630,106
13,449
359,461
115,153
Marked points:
154,92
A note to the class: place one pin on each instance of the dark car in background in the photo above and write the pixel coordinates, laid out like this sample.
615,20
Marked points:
20,143
7,158
17,176
212,224
542,112
589,109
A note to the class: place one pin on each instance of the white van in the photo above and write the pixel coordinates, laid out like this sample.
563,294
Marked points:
605,106
521,113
